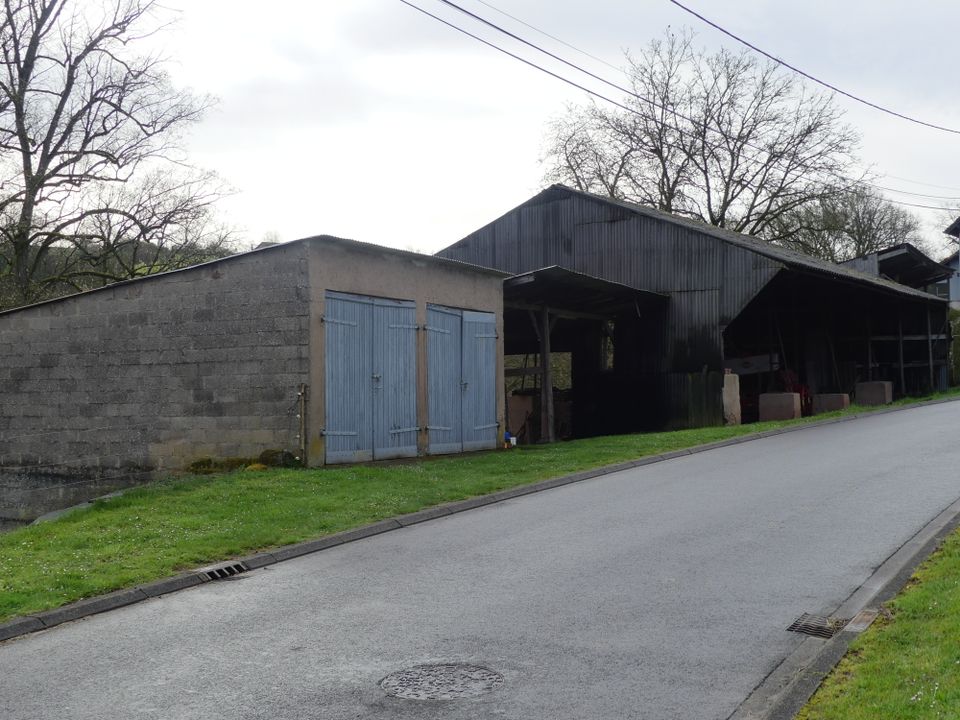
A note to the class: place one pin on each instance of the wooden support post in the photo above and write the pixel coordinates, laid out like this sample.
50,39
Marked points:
770,350
800,364
869,350
930,349
903,382
536,329
546,386
783,349
828,332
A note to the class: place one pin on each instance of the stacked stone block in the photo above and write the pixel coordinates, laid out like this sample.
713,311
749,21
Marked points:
157,373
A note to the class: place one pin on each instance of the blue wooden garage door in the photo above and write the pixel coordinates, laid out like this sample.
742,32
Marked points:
395,379
371,379
461,380
444,392
479,380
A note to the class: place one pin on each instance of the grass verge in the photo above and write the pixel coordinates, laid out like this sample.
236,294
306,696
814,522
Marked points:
159,530
907,664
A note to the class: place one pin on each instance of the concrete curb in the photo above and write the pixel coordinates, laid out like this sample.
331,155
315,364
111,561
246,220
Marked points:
782,694
92,606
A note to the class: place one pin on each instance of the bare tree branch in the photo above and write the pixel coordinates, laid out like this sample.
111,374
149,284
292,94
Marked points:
90,157
718,137
848,225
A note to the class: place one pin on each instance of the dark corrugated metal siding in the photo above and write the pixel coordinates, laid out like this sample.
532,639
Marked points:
710,281
724,289
694,399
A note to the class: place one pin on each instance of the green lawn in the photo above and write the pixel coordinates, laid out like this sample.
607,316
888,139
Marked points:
156,531
907,664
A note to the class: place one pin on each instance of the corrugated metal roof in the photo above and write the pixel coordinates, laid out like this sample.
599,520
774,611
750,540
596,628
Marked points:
902,261
562,288
789,258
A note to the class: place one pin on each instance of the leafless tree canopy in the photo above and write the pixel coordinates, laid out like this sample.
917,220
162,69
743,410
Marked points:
849,225
92,182
719,137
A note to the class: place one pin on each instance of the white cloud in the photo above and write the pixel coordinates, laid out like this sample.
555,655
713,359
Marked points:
368,120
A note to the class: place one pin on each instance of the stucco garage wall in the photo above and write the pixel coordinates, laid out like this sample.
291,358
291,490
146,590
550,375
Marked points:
359,268
156,373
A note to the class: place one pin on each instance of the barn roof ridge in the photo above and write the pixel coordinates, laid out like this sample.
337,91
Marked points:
790,258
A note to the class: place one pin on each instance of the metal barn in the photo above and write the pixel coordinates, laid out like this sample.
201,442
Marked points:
779,319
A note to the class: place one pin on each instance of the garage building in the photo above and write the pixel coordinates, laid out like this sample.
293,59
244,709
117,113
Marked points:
323,349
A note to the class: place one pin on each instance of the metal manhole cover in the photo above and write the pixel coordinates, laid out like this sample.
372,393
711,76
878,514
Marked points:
441,682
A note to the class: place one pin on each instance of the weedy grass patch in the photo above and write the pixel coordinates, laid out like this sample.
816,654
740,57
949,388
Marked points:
906,666
185,522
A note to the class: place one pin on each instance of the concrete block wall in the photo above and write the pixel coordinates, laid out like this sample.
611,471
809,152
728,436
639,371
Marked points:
154,374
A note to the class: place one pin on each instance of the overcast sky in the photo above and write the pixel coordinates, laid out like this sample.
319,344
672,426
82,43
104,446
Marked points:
368,120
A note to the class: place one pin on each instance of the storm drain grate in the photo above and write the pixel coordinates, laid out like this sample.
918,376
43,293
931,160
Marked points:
818,626
450,681
221,572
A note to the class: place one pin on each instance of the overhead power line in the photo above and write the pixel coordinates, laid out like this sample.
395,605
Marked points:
548,35
594,76
918,182
813,78
517,57
583,52
848,182
916,194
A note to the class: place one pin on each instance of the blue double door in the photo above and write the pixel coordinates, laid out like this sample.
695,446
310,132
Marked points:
461,380
371,378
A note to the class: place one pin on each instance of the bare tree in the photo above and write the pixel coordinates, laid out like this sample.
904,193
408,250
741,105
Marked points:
155,223
90,144
849,225
718,137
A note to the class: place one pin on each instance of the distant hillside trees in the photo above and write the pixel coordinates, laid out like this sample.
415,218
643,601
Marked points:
93,182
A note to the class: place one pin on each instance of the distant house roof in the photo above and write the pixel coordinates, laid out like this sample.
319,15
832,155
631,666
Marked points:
954,228
790,258
903,263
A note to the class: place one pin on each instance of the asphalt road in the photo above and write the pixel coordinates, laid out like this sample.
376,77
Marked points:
660,592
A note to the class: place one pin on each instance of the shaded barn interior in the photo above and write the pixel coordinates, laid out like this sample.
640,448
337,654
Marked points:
613,336
732,304
806,334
